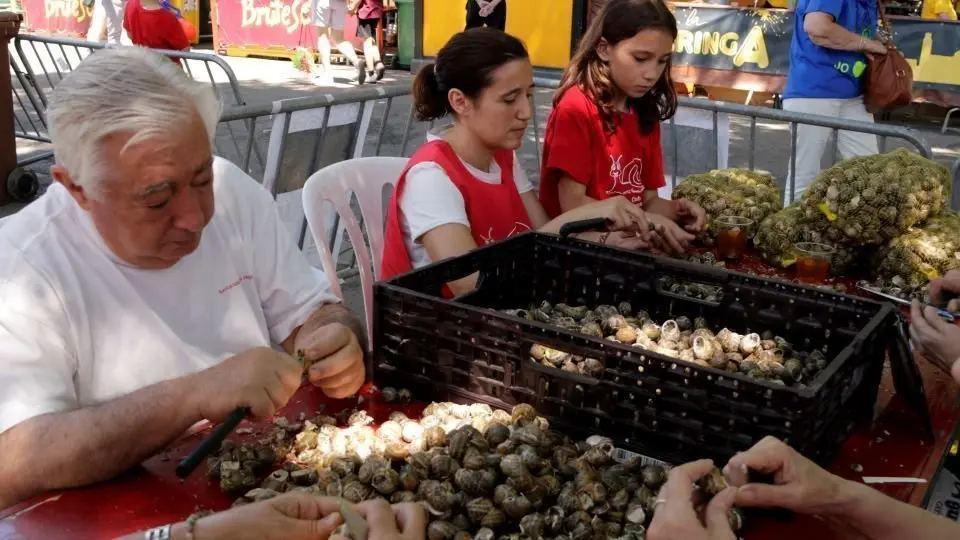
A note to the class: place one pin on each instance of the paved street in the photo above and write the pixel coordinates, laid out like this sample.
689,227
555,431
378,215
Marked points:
262,80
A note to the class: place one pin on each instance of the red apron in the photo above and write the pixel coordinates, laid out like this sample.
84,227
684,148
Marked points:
495,211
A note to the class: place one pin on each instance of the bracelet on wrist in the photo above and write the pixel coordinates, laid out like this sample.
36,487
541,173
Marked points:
603,237
192,524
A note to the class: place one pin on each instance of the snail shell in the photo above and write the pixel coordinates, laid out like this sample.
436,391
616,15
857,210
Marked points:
719,359
687,356
635,513
533,525
768,344
653,476
487,481
409,480
625,309
441,530
420,462
730,341
669,331
702,348
462,523
411,431
735,518
700,323
713,483
397,450
750,343
385,481
485,533
369,467
434,436
494,518
793,369
502,417
523,414
462,534
550,484
529,435
458,441
523,483
389,394
443,467
473,459
468,481
651,330
591,328
496,433
592,367
359,418
506,447
627,335
390,431
512,465
439,498
478,508
304,477
343,466
613,323
356,492
516,506
502,492
399,416
684,323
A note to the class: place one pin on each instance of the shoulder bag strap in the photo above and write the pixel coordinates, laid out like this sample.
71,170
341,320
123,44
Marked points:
885,35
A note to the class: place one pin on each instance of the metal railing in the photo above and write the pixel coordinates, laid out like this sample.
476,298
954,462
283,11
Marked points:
719,110
39,63
299,136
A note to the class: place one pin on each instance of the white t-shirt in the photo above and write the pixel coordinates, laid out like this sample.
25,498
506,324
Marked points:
79,327
430,199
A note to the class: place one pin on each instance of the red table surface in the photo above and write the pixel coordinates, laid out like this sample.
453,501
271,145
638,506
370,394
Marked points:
151,495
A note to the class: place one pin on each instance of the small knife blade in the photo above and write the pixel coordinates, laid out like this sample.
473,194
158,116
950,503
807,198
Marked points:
354,521
944,314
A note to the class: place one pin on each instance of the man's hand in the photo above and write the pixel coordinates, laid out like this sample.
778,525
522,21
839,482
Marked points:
799,484
693,216
945,291
334,357
260,379
675,517
935,339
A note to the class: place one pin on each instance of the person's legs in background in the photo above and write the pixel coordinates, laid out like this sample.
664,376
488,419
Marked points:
367,29
113,11
98,23
325,77
852,143
811,141
474,19
498,19
346,49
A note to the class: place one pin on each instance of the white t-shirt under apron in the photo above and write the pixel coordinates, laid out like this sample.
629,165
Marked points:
430,199
78,326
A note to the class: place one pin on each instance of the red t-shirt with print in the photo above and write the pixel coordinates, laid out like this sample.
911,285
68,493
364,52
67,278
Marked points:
626,162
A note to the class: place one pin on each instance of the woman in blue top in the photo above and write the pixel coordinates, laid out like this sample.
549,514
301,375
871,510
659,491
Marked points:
831,39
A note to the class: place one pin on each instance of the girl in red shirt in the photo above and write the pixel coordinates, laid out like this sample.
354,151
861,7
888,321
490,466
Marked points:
603,135
464,188
150,25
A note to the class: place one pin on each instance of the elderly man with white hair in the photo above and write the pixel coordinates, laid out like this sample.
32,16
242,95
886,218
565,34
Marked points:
142,292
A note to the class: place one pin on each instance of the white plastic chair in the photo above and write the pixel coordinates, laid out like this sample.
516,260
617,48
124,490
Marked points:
367,179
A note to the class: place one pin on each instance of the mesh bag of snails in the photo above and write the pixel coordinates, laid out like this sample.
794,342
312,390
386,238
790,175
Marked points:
482,473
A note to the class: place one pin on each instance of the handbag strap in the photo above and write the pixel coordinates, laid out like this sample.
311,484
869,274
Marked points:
886,33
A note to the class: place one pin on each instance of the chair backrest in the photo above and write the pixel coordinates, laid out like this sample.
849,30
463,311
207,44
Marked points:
367,179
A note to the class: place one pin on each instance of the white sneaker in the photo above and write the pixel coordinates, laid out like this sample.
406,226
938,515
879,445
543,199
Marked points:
323,80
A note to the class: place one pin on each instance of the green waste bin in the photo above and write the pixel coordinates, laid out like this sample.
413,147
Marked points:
405,32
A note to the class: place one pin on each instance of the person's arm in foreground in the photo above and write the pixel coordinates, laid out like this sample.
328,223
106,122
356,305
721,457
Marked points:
825,32
296,516
68,449
802,486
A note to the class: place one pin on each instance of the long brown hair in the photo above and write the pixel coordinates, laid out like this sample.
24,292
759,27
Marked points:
467,63
620,20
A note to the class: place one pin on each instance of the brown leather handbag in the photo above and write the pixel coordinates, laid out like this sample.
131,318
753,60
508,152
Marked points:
889,78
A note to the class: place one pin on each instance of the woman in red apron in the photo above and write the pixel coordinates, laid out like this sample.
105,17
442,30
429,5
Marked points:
464,187
603,135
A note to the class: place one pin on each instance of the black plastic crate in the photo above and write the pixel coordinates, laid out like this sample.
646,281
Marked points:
467,350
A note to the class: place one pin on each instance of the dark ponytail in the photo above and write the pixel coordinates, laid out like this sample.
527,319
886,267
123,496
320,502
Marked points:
467,63
428,100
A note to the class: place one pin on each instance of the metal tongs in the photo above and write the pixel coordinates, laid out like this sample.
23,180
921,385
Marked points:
354,526
944,314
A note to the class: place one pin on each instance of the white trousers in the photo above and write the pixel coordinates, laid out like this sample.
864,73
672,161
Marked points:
812,140
106,23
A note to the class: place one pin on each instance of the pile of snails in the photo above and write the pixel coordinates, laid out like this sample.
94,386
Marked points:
759,356
482,474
